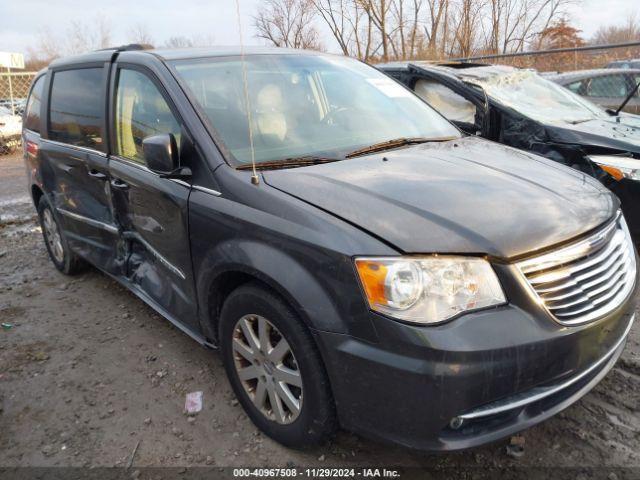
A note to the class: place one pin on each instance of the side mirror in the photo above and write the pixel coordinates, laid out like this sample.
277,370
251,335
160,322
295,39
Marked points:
161,153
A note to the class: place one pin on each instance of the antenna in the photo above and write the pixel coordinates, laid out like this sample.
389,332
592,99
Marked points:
254,178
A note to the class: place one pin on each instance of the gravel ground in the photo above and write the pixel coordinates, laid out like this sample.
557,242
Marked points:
90,376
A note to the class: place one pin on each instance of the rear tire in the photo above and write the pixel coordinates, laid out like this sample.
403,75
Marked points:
58,248
281,355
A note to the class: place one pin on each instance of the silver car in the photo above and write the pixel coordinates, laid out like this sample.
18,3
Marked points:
10,130
607,87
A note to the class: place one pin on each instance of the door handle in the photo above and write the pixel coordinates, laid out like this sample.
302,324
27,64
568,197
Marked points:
117,183
96,174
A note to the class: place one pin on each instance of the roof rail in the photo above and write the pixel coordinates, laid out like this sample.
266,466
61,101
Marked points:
128,48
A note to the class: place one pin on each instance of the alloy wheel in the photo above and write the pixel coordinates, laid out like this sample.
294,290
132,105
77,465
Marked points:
52,233
267,369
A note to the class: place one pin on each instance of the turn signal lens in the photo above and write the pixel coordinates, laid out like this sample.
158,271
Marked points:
428,289
613,171
373,274
618,167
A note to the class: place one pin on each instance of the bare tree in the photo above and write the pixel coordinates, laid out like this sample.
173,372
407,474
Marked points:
78,37
434,26
139,33
513,25
288,23
378,13
48,47
386,29
178,42
629,31
466,27
203,40
415,33
186,42
83,37
351,29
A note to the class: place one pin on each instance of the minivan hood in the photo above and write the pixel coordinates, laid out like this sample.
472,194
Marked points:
608,133
464,196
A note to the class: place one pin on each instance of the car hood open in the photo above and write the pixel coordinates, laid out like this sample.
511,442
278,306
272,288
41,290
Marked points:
462,196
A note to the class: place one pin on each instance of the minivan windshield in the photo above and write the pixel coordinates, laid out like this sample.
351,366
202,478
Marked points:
306,106
538,98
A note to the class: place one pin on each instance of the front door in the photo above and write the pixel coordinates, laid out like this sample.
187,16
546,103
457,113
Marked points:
151,210
74,149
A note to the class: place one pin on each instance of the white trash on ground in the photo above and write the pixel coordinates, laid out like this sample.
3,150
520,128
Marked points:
193,403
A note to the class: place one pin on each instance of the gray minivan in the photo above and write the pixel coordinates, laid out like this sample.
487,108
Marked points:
357,259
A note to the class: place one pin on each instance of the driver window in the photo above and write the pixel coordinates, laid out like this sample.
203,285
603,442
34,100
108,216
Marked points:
614,86
141,111
452,106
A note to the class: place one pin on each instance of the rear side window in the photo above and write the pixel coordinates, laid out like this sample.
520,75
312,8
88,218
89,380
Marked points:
76,106
32,113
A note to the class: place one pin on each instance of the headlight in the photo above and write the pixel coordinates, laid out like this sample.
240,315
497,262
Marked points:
428,289
618,167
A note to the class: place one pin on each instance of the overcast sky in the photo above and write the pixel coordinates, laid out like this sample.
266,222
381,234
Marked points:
216,19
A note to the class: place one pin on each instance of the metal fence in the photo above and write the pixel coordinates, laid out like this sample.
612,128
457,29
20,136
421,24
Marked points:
565,59
14,88
608,88
603,74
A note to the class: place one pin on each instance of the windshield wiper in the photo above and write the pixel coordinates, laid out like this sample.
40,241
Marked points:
288,163
396,142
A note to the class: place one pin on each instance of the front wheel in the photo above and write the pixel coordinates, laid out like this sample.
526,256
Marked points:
274,368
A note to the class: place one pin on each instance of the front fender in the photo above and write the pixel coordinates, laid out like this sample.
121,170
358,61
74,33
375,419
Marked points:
306,291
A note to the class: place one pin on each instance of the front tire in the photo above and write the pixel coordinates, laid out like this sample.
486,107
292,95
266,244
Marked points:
58,248
275,369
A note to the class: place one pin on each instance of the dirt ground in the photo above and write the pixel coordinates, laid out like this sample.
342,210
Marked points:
90,376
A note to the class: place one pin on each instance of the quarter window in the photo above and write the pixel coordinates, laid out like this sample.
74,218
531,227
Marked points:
76,107
141,111
32,112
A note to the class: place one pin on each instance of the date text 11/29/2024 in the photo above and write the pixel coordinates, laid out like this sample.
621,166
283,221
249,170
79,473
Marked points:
316,472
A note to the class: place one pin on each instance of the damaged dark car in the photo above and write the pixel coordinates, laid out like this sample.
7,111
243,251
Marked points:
357,259
524,110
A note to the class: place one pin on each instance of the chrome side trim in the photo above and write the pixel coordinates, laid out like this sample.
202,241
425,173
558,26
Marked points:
180,182
157,255
131,163
75,147
89,221
207,190
144,168
538,393
137,291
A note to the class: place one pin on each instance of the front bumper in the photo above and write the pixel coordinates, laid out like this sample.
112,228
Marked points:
472,381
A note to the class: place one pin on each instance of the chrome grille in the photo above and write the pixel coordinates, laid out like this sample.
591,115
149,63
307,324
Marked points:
587,279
